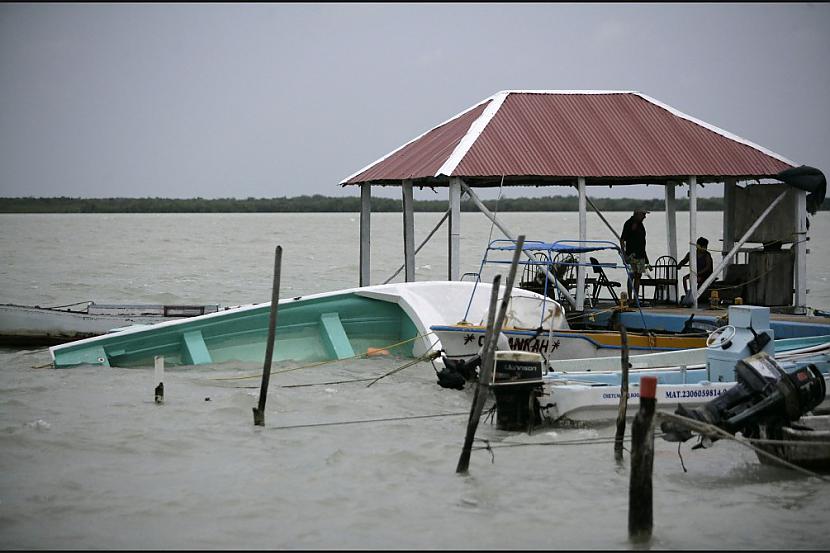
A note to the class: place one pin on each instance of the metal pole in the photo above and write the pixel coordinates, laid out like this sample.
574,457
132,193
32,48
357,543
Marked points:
583,235
434,230
259,411
365,234
737,245
607,224
408,230
693,239
621,414
509,234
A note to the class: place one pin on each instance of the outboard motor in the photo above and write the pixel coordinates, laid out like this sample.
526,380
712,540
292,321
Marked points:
517,385
457,372
764,394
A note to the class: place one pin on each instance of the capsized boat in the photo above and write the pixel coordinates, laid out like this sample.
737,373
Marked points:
548,333
317,327
26,325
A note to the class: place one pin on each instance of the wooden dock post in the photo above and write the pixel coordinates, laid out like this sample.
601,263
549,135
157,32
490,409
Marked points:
259,411
488,356
623,409
640,512
159,377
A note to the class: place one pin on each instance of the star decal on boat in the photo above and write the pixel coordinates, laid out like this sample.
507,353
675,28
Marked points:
554,345
468,338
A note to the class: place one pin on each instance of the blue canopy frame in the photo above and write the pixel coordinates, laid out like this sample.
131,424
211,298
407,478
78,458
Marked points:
550,249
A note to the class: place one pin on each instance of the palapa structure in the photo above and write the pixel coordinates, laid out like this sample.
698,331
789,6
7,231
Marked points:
578,138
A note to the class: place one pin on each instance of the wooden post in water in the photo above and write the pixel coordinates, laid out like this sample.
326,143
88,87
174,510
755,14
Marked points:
621,414
488,356
159,374
259,411
640,513
479,396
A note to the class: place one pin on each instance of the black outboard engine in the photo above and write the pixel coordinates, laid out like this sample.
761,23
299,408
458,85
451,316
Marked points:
517,385
764,394
458,371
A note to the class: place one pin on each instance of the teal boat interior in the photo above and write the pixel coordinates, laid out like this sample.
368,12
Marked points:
336,326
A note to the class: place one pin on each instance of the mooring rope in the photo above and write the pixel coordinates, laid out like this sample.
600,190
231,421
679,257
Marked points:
706,429
366,421
329,361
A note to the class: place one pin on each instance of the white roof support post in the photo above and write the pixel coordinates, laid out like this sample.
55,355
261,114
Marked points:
454,249
583,235
365,226
671,220
671,230
693,239
800,250
509,235
729,190
408,231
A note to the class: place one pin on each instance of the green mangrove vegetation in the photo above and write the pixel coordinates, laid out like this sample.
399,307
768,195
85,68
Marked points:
326,204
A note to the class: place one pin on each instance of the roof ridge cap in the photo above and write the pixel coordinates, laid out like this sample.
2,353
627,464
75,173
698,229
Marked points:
399,148
473,132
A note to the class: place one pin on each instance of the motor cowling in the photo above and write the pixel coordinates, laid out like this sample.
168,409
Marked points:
764,393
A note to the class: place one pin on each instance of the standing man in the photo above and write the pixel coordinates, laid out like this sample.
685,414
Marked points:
633,244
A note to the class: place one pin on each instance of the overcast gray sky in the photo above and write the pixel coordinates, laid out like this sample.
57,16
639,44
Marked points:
267,100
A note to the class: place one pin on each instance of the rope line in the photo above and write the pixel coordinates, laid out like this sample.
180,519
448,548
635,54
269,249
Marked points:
327,361
710,430
365,421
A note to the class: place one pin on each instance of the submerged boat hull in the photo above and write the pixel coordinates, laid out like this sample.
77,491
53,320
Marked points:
326,326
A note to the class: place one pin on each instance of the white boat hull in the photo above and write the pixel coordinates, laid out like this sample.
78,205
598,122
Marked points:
21,324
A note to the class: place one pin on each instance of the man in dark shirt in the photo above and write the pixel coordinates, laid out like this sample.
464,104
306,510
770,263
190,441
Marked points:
633,244
704,264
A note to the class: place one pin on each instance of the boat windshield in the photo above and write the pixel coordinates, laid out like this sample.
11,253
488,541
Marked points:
549,267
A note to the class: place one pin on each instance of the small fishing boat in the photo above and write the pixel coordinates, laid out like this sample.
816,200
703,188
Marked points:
590,397
805,443
32,325
549,333
589,390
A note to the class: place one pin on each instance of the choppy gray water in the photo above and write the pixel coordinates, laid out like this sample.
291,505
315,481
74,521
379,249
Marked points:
88,460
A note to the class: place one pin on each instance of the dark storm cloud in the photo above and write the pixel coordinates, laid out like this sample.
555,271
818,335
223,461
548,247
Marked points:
269,100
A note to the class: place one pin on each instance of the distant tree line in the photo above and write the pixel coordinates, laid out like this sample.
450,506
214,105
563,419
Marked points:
317,203
326,204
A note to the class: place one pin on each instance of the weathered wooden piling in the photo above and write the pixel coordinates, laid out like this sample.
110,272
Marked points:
479,396
488,356
259,411
623,409
159,378
640,513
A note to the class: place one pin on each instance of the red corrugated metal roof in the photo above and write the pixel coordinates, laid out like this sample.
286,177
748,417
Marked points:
550,136
422,157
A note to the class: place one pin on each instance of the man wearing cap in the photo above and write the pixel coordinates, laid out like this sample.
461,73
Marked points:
633,244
